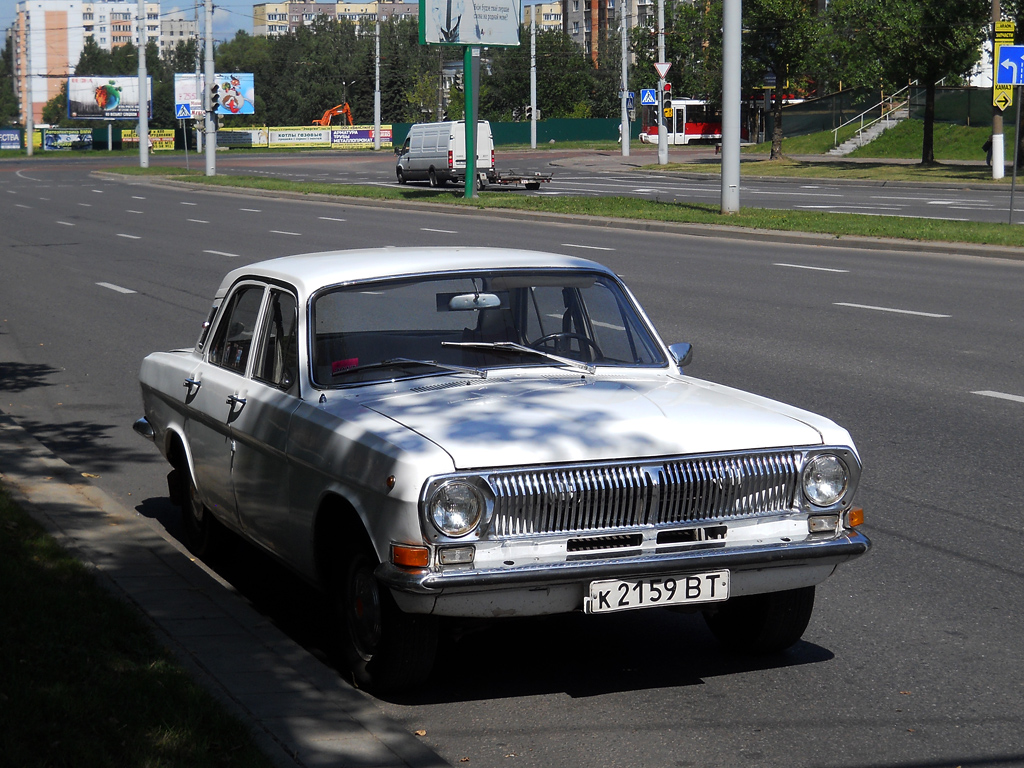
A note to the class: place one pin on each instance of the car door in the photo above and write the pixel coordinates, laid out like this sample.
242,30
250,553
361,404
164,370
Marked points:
260,472
215,389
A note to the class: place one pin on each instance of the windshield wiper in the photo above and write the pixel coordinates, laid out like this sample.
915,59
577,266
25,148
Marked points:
397,361
511,346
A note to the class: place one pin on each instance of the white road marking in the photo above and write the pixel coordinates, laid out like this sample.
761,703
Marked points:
198,221
86,205
282,232
251,210
45,198
98,191
137,197
130,237
1000,395
853,207
804,266
131,211
22,205
65,223
889,309
224,253
588,247
442,231
183,202
330,218
117,288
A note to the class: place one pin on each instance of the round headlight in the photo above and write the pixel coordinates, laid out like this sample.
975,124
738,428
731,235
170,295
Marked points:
456,508
825,480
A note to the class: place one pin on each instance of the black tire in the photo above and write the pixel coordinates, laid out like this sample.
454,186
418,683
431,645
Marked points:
401,175
762,624
384,648
203,534
435,180
533,185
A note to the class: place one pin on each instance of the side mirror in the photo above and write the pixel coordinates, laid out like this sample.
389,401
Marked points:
682,354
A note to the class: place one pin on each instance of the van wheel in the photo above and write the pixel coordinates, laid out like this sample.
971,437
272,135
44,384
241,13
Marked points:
401,175
434,181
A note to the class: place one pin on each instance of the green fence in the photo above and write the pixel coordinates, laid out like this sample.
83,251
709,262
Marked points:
556,130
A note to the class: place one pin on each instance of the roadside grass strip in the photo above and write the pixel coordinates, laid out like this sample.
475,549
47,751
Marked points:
820,222
85,682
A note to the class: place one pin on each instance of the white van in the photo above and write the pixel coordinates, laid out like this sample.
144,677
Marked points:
436,152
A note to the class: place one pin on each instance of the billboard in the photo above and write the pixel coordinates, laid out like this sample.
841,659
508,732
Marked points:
237,93
469,22
106,98
62,139
10,139
347,137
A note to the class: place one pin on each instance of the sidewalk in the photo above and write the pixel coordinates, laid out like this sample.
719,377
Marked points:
300,711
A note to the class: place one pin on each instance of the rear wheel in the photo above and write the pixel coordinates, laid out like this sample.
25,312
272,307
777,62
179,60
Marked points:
204,535
761,624
435,180
384,648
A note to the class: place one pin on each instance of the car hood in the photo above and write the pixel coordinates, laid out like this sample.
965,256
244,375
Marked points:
517,421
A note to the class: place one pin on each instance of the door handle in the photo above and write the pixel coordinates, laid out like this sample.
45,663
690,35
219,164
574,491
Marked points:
234,400
190,382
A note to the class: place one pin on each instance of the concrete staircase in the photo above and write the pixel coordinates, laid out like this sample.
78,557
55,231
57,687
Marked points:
872,132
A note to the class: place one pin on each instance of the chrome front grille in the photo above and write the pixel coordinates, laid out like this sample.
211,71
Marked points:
594,498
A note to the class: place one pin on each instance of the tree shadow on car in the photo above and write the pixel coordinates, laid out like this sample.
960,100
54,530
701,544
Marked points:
584,656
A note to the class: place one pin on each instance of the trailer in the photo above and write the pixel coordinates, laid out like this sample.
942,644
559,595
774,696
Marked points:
513,179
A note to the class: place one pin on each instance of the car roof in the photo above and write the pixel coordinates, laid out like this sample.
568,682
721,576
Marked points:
309,272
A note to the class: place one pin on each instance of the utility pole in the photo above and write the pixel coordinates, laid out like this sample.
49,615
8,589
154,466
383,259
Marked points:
376,90
199,85
211,132
732,40
662,128
30,110
533,77
624,125
998,148
143,90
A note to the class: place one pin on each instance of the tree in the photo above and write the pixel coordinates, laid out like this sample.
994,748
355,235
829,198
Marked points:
8,102
899,41
779,35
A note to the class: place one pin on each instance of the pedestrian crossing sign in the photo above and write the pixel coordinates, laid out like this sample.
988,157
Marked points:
183,112
648,97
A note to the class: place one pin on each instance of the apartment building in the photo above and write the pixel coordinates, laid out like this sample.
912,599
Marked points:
47,36
549,15
272,19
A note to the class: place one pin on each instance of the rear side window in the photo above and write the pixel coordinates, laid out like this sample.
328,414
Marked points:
232,340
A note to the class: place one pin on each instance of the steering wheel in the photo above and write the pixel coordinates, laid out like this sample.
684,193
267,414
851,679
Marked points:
544,340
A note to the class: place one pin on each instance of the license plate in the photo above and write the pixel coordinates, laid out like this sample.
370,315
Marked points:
628,594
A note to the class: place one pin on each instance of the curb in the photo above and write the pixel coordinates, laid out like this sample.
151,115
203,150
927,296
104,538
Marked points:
300,712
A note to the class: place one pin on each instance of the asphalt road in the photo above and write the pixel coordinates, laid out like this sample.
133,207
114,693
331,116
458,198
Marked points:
914,656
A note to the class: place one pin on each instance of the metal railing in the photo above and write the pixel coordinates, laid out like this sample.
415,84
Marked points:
888,106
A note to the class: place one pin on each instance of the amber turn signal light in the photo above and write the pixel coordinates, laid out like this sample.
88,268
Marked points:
410,557
855,517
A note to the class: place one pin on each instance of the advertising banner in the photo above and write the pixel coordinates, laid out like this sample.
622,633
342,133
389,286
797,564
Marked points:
10,139
105,98
237,93
469,22
61,139
358,137
243,137
161,140
300,137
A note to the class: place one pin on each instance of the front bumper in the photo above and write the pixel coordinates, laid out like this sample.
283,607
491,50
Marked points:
812,551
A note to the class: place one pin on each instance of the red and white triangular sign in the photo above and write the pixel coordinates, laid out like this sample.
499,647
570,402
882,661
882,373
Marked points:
662,68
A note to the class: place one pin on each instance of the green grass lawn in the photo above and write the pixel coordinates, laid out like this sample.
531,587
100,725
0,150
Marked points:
83,682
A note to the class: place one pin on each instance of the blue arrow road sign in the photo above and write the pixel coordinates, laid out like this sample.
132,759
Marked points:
182,111
648,97
1010,68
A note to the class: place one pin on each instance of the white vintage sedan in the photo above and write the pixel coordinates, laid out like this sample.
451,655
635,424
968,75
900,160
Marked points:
478,432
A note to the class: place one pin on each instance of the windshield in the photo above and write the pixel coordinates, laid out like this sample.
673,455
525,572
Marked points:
416,327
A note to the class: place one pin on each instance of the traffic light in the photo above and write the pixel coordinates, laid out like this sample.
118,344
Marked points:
214,103
529,112
666,102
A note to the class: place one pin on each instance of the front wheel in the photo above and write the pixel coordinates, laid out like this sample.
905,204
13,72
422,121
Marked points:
400,174
384,648
762,624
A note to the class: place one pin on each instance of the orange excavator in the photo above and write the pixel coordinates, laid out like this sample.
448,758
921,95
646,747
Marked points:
341,109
